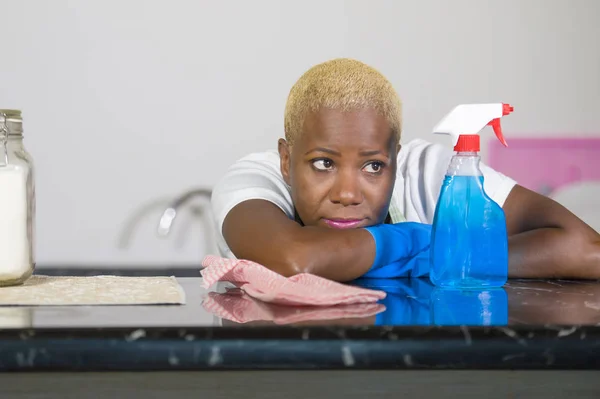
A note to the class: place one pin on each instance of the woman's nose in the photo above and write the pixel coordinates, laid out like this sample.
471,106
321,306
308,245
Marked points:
346,190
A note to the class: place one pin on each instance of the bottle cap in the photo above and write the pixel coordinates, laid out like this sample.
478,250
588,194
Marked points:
468,143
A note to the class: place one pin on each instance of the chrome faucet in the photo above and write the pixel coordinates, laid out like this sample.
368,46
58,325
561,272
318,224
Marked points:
169,214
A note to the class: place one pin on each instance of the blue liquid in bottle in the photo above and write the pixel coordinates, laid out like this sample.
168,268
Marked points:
469,243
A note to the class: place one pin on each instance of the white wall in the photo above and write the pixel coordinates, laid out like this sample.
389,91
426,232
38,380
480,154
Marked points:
127,103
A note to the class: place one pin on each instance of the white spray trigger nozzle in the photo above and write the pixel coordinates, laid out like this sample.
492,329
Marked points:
470,119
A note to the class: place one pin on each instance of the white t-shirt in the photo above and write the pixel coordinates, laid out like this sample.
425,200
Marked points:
421,170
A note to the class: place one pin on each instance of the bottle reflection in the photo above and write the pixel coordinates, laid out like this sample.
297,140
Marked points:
480,307
413,301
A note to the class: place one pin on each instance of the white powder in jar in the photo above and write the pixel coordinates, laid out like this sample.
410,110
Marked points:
14,243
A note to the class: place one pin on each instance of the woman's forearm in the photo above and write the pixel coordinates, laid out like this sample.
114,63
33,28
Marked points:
553,253
258,231
546,240
340,255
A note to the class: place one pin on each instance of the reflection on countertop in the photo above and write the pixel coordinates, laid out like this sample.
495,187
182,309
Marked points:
559,302
409,302
416,302
526,324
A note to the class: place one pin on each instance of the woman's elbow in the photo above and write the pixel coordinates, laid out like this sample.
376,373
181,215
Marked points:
586,251
286,260
591,260
295,260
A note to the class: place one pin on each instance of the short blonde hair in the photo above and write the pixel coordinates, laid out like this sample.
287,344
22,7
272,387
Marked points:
342,84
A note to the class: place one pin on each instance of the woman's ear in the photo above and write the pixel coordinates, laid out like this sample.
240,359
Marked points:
285,160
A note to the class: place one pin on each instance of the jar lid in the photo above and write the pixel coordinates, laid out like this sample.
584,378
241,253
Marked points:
11,120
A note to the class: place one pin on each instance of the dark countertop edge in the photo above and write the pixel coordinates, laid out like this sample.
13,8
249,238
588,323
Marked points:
490,348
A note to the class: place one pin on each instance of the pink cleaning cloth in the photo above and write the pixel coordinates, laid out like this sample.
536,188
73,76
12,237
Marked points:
237,306
268,286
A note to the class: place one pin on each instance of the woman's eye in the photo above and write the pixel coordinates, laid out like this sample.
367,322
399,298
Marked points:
374,167
323,164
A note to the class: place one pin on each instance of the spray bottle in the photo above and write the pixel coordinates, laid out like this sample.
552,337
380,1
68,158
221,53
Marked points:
469,242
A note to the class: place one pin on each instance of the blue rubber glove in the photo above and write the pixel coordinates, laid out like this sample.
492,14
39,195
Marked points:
401,250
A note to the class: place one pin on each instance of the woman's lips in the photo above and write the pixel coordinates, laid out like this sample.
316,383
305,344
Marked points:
343,223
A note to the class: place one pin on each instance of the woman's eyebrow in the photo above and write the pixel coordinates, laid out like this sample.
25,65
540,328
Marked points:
321,149
370,153
333,152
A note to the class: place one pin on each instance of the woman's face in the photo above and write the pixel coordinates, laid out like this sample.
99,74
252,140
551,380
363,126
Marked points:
341,169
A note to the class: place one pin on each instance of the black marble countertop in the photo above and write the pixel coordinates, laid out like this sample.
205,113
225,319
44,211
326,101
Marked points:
527,324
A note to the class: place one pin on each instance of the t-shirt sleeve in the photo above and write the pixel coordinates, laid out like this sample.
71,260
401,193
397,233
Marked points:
497,185
256,176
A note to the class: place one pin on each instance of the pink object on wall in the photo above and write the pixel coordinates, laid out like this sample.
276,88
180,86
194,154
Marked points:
546,164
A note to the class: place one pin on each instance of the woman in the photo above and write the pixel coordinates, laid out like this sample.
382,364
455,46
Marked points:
335,199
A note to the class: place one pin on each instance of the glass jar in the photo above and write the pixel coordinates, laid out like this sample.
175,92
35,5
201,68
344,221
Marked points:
17,202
